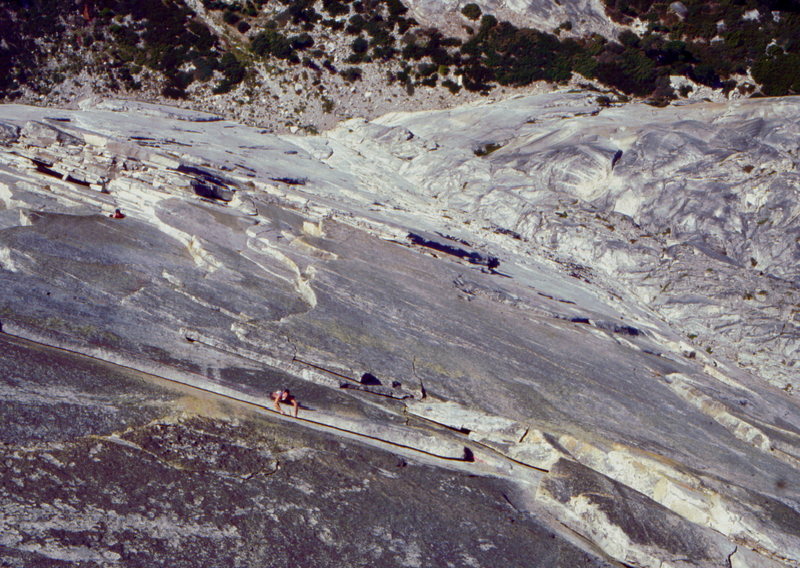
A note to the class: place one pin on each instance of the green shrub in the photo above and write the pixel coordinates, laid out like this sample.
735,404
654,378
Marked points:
704,74
359,45
430,81
352,74
251,10
234,73
231,66
231,17
630,71
405,24
426,69
778,75
302,41
215,5
471,11
203,68
384,53
171,91
335,25
452,86
356,24
396,9
271,42
629,39
335,8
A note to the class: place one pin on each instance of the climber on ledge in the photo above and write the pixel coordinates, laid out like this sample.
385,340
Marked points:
117,214
284,396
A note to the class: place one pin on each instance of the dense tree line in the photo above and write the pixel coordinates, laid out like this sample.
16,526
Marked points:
718,39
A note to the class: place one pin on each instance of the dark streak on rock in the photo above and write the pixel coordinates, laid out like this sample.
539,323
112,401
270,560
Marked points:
370,380
616,158
617,328
45,168
77,181
472,257
291,181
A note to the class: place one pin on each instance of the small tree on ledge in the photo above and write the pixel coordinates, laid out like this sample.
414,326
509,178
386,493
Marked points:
471,11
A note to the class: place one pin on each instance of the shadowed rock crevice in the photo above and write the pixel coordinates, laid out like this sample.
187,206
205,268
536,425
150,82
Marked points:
473,257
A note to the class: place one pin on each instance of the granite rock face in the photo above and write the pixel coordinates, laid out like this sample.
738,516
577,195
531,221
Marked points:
154,475
585,16
512,329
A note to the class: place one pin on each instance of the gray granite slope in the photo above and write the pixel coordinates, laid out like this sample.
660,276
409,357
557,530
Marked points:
113,469
487,318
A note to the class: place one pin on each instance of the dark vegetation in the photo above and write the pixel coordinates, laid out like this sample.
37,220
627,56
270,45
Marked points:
161,35
471,11
710,44
125,35
714,40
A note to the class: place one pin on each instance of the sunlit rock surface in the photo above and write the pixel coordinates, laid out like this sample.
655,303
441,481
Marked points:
102,468
592,310
584,16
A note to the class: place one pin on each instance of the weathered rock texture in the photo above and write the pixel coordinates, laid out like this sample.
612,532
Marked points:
101,468
576,318
584,16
